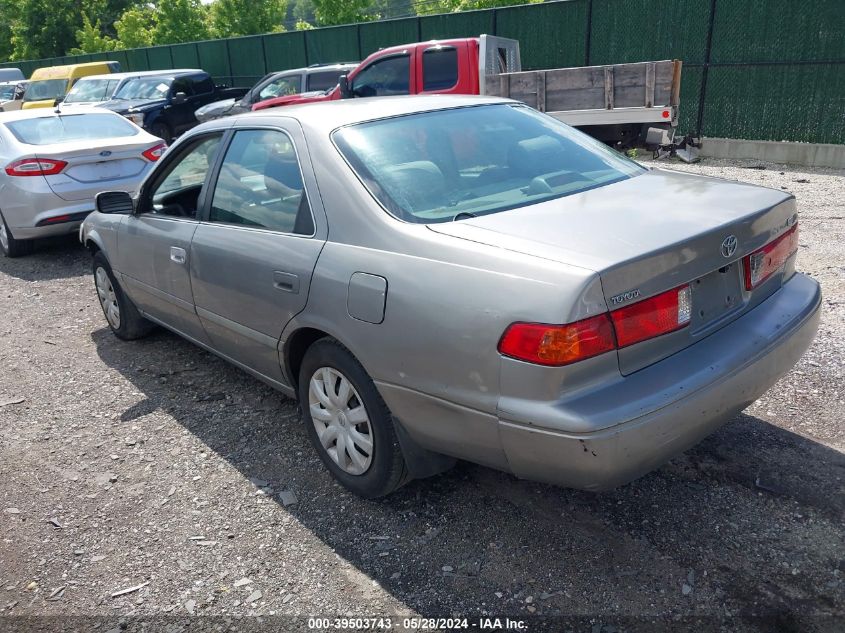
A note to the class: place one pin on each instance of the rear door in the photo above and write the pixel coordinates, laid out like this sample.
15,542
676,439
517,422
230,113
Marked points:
253,255
154,244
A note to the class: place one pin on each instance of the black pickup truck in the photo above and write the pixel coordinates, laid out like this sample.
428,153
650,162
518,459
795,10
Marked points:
164,105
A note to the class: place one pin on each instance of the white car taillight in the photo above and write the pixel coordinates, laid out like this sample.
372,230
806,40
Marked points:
762,263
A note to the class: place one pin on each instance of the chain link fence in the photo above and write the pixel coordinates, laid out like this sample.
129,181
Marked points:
754,69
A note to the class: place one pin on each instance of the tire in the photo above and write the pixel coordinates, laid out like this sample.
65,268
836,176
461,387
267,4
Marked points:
9,245
162,130
126,322
385,469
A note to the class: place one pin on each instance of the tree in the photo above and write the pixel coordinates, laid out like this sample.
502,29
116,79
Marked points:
90,39
44,28
180,21
135,28
329,12
449,6
8,11
230,18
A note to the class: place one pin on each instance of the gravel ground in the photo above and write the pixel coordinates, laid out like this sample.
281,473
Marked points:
157,468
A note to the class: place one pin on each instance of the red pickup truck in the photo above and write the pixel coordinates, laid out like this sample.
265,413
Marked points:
619,103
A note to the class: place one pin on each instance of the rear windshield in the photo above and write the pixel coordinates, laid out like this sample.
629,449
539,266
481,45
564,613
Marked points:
453,164
90,90
45,89
144,88
69,128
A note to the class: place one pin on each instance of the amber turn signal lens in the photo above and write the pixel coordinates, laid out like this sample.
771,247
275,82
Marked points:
556,345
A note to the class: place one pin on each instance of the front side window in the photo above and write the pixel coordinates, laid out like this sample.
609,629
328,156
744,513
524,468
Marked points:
7,93
280,87
45,89
440,69
202,85
182,84
260,184
450,164
386,76
175,191
68,128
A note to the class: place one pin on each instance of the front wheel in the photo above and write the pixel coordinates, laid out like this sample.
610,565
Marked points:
122,315
349,424
9,245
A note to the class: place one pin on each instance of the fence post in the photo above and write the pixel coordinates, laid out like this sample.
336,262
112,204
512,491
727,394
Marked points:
587,42
706,68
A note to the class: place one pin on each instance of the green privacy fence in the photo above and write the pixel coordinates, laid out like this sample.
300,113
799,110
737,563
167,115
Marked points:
755,69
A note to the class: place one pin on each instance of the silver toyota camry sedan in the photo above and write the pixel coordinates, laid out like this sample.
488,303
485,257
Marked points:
54,164
461,277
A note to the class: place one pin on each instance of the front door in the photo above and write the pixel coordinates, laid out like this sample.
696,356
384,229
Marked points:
253,256
154,244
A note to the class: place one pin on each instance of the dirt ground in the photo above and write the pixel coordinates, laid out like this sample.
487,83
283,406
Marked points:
157,468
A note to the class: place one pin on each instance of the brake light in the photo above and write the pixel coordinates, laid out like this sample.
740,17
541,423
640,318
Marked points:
652,317
35,167
557,345
155,152
761,264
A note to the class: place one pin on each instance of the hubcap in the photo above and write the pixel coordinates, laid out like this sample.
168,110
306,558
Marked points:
108,299
341,420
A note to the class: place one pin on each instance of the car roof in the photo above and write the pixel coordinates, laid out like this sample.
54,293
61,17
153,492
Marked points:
140,73
37,113
329,115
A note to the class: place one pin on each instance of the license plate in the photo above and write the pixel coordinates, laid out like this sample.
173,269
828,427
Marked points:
108,170
716,295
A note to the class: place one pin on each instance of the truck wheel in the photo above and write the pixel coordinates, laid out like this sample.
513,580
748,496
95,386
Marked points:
349,424
9,245
162,130
122,315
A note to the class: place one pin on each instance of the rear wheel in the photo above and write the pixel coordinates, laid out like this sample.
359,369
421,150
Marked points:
9,245
349,424
162,130
122,315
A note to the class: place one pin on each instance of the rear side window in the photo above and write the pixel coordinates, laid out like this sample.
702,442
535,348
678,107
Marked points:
203,85
323,81
260,184
69,128
440,68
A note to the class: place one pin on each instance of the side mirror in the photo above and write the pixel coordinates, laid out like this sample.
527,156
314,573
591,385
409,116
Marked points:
343,85
179,98
58,100
114,202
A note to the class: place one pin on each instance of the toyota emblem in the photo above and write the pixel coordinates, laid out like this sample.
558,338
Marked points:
729,246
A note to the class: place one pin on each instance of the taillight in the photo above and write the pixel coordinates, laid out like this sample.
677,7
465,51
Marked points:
155,152
761,264
557,345
35,167
652,317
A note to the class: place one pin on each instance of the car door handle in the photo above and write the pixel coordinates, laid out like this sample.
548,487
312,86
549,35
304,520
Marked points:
286,281
178,255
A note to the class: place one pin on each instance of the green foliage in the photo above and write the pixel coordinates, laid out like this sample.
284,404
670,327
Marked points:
43,28
450,6
90,39
7,10
229,18
329,12
180,21
135,28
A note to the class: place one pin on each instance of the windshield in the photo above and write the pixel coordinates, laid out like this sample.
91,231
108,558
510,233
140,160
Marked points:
68,128
145,88
90,90
45,89
451,164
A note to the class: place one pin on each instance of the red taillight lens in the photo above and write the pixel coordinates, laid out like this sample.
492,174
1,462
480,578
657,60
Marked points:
761,264
155,152
35,167
556,345
652,317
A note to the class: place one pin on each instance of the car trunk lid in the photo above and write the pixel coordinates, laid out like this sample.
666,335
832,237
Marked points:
114,164
645,236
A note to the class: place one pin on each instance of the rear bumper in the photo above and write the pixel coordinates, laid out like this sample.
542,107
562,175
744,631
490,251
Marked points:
670,406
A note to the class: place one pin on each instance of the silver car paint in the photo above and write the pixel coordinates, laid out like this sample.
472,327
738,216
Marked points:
26,201
452,289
